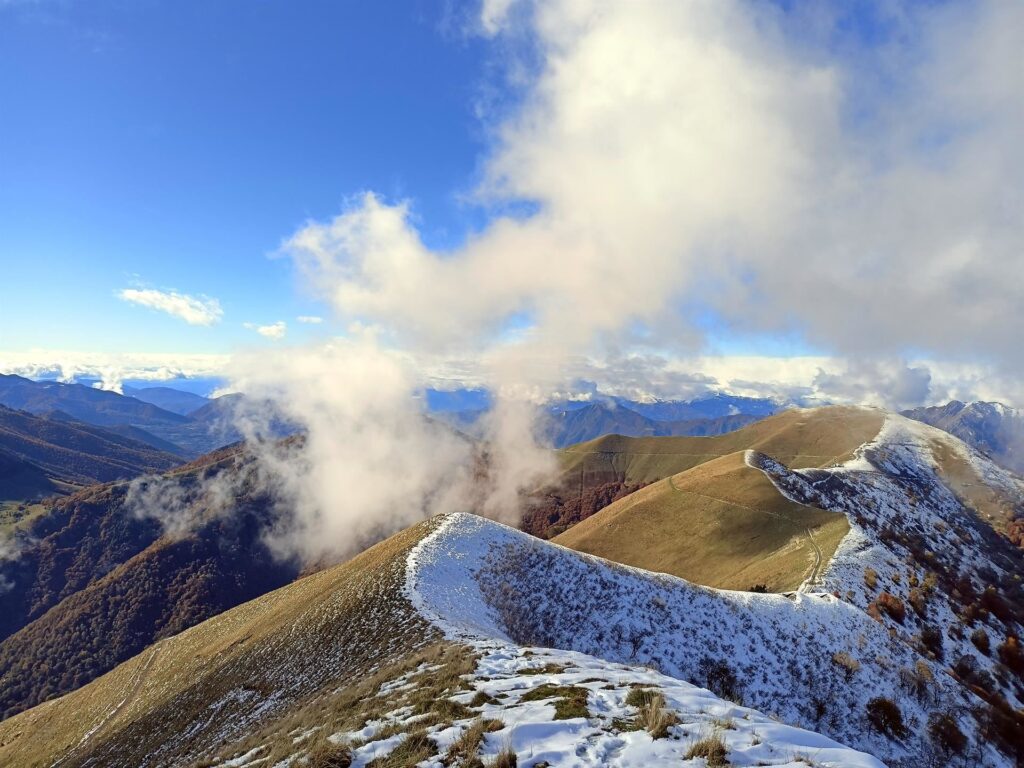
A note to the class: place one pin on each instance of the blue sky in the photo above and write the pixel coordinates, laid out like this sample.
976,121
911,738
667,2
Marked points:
171,147
174,145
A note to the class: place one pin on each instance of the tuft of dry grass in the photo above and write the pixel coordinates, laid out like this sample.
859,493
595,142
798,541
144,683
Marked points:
655,718
324,753
711,748
465,750
414,749
505,759
640,697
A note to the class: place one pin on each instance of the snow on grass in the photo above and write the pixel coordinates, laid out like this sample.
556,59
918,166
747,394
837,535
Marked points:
510,681
478,578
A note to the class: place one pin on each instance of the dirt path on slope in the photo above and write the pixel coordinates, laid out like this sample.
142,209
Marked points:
140,678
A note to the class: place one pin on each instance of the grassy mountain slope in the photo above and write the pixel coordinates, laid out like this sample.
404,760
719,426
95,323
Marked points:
722,524
75,452
598,472
798,438
216,682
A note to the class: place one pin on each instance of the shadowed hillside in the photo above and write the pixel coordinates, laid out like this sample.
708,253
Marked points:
75,452
94,583
273,654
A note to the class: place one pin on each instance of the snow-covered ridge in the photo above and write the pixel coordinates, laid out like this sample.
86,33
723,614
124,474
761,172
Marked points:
816,662
917,538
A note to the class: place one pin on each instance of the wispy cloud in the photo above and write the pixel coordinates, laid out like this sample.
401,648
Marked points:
310,319
194,310
274,331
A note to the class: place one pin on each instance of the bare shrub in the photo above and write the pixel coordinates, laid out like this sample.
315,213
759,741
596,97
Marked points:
981,641
946,734
890,605
885,717
931,639
871,578
1012,656
720,679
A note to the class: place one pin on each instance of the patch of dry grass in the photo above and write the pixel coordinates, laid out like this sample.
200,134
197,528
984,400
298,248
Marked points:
570,700
324,753
414,749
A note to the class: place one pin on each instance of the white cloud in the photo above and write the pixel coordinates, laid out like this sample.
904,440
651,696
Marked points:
274,331
309,319
194,310
683,154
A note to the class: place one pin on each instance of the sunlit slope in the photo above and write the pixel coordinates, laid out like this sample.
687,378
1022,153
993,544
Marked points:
798,438
722,524
212,683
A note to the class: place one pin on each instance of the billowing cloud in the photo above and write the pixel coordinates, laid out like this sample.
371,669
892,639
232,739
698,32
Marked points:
681,155
664,163
273,331
194,310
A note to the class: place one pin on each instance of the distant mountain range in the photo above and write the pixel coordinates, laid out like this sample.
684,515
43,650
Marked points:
992,428
577,425
168,398
162,417
574,421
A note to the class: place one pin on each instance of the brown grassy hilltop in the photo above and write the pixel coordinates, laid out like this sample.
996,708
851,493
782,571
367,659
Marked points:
714,520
